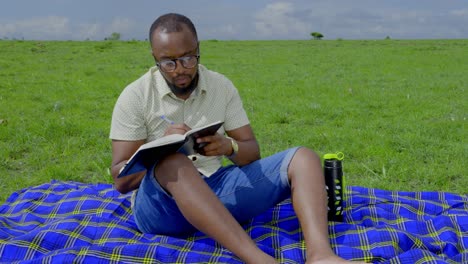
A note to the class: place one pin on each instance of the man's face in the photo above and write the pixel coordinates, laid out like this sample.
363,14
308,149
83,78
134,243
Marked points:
170,46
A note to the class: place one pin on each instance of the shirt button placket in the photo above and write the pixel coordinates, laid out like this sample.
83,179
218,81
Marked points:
186,111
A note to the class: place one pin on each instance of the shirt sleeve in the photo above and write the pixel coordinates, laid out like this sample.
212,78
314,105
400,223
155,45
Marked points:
128,122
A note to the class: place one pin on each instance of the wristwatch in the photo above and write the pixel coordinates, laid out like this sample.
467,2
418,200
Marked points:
235,147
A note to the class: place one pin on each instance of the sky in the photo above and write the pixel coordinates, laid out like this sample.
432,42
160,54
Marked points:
237,19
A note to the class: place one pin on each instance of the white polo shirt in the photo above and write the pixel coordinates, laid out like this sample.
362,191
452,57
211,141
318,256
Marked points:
137,113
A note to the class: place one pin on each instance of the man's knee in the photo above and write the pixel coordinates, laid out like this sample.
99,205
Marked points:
173,166
307,154
304,162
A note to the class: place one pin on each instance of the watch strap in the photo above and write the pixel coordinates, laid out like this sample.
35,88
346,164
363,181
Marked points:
235,147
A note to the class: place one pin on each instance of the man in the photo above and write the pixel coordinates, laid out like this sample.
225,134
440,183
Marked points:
180,195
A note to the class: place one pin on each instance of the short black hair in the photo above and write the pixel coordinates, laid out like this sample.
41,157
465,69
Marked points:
172,22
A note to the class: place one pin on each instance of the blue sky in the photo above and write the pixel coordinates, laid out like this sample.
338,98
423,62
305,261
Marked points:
237,20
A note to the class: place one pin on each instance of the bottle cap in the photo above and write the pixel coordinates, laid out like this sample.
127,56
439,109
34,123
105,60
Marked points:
337,156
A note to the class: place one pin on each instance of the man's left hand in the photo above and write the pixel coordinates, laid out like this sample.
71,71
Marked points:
217,145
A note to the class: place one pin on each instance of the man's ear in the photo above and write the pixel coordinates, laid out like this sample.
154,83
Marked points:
154,57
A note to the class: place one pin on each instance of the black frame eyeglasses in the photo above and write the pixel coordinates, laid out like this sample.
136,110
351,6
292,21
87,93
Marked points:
187,62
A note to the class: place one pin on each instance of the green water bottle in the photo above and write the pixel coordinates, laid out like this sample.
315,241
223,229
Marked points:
334,181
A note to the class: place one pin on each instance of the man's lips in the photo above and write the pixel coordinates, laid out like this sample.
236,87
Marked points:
182,80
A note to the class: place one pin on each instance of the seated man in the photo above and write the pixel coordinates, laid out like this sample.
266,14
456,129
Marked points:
179,195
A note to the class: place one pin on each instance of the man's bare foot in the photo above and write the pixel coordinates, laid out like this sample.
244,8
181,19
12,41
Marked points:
330,260
261,258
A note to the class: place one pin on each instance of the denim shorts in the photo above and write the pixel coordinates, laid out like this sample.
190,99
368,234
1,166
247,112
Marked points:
245,191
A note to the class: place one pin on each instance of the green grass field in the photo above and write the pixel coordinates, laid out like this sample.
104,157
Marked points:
397,109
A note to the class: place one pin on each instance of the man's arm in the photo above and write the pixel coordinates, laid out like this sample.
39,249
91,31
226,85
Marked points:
249,150
121,152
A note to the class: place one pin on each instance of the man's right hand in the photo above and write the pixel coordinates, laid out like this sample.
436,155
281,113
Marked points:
177,129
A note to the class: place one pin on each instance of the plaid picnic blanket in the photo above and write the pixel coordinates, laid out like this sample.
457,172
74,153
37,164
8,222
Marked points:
70,222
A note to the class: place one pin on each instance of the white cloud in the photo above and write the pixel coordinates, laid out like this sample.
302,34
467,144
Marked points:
273,19
60,28
227,31
121,25
460,12
89,31
279,20
50,27
7,29
98,31
373,22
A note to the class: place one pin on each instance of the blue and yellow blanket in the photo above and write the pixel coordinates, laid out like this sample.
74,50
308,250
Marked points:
70,222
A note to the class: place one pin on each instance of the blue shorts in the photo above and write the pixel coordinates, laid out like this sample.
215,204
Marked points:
264,181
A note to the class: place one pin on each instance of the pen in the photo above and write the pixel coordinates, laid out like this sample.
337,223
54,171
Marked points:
163,117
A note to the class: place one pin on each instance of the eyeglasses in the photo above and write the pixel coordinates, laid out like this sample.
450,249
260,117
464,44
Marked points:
187,62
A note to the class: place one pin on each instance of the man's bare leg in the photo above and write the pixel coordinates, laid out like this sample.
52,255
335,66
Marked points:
309,199
202,208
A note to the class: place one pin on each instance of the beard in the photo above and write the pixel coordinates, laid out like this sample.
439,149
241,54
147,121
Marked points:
183,91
